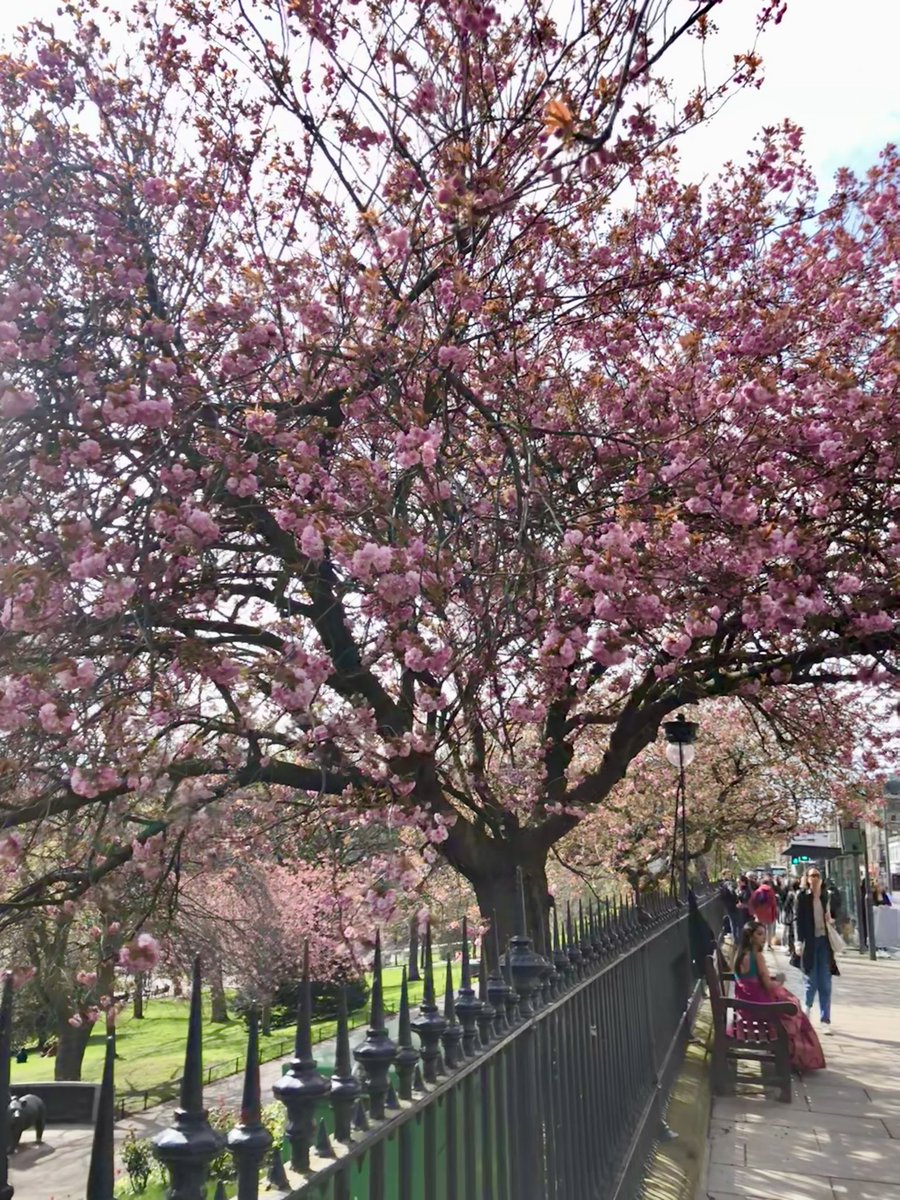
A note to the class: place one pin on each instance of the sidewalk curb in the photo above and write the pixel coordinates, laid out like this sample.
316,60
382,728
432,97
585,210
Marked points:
677,1170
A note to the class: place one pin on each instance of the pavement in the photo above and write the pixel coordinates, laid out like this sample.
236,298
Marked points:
58,1169
840,1137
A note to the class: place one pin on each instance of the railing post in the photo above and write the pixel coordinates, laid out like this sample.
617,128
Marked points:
101,1182
250,1141
377,1052
188,1147
407,1057
429,1024
6,1188
301,1086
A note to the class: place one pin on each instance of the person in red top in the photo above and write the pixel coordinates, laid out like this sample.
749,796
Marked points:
764,908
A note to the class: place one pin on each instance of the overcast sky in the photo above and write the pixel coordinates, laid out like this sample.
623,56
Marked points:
830,65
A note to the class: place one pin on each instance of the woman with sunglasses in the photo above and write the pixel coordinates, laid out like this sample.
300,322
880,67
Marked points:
814,913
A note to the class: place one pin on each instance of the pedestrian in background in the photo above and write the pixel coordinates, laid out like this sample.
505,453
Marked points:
814,915
764,908
789,916
742,908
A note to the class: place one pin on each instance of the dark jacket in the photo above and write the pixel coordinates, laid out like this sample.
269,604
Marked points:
790,903
806,928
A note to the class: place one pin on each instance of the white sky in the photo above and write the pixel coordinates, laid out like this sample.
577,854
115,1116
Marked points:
831,67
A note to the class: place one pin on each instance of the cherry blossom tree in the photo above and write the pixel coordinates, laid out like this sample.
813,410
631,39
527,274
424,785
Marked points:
392,435
750,776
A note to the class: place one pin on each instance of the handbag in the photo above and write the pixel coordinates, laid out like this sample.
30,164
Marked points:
835,941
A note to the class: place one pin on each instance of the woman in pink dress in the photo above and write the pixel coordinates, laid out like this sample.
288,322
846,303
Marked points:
752,981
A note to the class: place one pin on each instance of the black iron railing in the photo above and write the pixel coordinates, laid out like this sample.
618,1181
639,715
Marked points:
547,1082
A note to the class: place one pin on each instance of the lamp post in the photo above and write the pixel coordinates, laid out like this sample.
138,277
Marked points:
680,750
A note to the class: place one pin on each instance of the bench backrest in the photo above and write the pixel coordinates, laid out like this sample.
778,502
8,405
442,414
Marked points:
716,999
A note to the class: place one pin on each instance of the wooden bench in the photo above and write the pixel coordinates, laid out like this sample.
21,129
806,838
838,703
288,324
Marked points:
760,1037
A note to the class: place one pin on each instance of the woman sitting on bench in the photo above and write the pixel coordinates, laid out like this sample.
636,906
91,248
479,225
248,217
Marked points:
752,981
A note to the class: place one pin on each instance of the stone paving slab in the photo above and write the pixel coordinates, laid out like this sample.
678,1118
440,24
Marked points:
840,1138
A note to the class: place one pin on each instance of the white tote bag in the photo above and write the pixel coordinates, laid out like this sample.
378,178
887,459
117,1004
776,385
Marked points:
837,943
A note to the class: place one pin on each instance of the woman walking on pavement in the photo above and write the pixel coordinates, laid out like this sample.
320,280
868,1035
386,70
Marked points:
814,913
789,915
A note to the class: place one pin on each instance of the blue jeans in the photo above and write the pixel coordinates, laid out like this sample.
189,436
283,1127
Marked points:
819,979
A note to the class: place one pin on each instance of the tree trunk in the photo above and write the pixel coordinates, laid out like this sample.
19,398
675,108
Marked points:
219,1010
414,975
266,1020
178,987
498,901
72,1041
139,996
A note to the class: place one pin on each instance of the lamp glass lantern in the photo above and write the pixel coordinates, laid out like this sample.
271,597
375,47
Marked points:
680,737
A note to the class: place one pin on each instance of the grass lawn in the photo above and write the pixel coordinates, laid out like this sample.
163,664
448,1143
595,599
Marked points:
157,1191
151,1051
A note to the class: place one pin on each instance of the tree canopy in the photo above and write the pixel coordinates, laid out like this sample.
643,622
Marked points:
390,431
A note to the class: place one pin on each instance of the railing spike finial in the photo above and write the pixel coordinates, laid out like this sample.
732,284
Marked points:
6,1188
407,1056
414,976
250,1141
323,1142
522,913
560,957
452,1035
527,967
498,988
428,992
377,1052
511,996
277,1176
101,1182
429,1024
486,1015
345,1087
468,1006
301,1086
190,1144
573,949
466,981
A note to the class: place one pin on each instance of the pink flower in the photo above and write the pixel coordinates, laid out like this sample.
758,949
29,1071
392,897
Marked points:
14,403
142,954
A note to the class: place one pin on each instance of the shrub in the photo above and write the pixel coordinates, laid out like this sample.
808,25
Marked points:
222,1166
137,1155
283,1009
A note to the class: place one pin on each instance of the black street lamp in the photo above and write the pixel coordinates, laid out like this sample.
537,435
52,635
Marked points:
680,750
